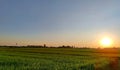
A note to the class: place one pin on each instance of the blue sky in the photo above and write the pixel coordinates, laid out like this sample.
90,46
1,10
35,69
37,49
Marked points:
58,22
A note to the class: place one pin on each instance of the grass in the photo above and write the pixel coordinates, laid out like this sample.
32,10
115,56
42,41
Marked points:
58,59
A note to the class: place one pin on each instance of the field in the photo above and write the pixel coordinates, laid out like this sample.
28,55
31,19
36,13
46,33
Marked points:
59,59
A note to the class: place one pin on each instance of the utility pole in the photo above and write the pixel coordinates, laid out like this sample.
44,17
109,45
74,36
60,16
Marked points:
16,44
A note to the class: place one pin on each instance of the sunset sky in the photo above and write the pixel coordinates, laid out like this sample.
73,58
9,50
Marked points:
59,22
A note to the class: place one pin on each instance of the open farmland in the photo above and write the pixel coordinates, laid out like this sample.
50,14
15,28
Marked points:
59,59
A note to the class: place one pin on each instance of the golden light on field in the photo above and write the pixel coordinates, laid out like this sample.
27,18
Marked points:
106,42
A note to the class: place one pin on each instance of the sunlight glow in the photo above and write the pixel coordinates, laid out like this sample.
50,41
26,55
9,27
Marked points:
106,42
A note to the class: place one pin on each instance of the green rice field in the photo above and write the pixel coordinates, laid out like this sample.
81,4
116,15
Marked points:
59,59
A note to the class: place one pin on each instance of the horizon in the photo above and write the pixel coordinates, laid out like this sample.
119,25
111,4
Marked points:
61,22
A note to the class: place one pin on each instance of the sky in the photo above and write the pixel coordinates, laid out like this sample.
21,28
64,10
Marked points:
59,22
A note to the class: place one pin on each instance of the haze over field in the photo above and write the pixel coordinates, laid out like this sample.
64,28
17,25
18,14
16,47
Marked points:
59,22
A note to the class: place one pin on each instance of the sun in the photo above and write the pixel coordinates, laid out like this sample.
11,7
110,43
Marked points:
106,42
